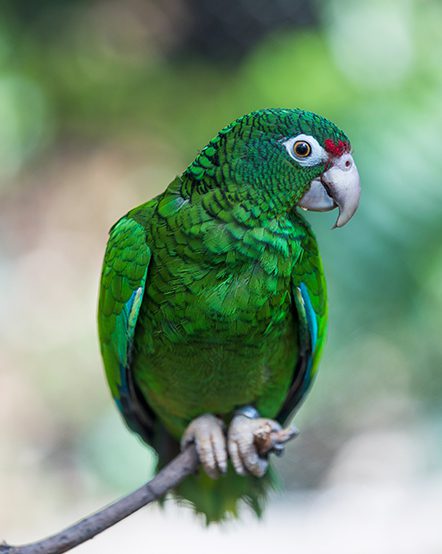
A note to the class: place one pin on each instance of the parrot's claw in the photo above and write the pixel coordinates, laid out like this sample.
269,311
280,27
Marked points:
249,441
207,432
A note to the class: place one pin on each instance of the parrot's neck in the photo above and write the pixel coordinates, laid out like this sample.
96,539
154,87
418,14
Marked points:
249,219
253,205
235,205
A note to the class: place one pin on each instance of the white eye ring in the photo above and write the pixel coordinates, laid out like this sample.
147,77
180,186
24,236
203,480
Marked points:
317,154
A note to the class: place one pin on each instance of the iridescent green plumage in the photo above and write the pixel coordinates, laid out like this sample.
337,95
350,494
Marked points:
213,296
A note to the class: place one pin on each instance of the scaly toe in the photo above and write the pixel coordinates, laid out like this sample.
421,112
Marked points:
241,445
249,442
207,432
270,439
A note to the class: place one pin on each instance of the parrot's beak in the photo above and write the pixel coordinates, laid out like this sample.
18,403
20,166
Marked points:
338,187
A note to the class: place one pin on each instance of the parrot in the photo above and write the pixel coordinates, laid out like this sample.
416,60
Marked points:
212,310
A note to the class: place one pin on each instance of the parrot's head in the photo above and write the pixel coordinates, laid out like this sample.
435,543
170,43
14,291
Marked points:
321,154
289,157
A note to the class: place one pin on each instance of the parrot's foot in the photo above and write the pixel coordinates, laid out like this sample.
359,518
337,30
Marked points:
207,432
250,440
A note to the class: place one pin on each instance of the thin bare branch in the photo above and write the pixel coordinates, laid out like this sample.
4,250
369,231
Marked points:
169,477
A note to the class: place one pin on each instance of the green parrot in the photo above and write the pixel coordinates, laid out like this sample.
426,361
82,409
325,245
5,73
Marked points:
212,310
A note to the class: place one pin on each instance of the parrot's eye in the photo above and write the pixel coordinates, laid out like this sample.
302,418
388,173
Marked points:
305,150
302,149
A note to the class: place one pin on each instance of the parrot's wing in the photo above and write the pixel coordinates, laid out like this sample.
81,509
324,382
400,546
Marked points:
309,299
123,281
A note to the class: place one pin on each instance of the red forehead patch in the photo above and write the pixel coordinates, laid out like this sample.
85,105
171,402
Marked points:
336,148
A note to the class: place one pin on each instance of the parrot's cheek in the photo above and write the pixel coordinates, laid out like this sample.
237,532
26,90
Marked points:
317,198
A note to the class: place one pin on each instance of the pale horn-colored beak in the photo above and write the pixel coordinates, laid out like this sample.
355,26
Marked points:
338,187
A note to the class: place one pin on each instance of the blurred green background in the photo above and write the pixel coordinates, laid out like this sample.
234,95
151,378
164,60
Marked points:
102,103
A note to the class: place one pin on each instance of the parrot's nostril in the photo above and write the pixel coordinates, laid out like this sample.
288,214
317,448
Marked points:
345,162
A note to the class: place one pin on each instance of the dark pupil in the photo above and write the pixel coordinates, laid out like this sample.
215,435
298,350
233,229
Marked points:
302,149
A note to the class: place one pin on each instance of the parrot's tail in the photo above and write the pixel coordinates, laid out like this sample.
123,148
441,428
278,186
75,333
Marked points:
221,499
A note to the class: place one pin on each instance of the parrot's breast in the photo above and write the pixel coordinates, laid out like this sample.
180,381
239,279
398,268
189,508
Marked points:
212,337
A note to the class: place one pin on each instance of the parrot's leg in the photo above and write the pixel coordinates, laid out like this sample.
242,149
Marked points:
251,438
207,432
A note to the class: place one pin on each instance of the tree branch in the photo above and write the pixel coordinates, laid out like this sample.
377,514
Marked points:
169,477
186,463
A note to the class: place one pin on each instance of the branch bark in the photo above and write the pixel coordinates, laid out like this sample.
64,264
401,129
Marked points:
169,477
186,463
